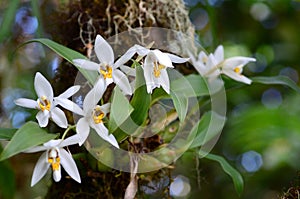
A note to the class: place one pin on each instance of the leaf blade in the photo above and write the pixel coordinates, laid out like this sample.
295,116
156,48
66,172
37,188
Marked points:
7,133
280,80
29,135
67,54
232,172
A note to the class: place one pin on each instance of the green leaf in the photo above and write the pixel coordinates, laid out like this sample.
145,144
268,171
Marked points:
180,101
281,80
140,102
208,127
29,135
120,109
67,54
184,87
7,133
196,85
8,19
232,172
141,99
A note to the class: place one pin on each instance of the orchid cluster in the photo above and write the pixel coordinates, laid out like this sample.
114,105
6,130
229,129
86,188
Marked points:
155,67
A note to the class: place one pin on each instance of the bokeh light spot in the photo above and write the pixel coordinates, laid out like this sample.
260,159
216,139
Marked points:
251,161
199,18
260,11
290,72
271,98
180,187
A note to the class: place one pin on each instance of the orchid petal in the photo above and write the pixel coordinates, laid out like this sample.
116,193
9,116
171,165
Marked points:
74,139
42,118
57,174
83,130
69,92
86,64
219,54
28,103
35,149
127,70
141,51
177,59
94,95
237,77
161,57
43,87
40,169
104,51
69,105
52,143
148,67
59,117
202,57
102,131
234,62
164,81
122,81
105,108
69,165
125,57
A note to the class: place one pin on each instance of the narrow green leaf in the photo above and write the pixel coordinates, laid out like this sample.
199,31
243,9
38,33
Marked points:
29,135
120,109
67,54
281,80
208,127
232,172
8,19
7,133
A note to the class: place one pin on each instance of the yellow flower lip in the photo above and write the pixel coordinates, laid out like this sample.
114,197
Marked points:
98,115
44,103
54,161
157,68
106,73
237,70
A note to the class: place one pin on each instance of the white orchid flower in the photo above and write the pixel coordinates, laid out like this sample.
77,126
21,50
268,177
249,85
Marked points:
213,65
233,68
155,65
47,103
55,156
94,114
107,68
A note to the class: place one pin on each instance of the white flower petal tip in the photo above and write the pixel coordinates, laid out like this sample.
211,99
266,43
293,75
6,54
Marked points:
27,103
103,50
43,87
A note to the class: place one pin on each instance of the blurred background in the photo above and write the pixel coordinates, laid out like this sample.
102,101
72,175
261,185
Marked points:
262,135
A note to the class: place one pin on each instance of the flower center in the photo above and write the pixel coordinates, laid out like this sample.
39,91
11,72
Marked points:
44,103
54,159
107,73
157,68
237,70
98,115
204,60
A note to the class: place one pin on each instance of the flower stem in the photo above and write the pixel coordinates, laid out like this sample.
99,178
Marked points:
67,130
